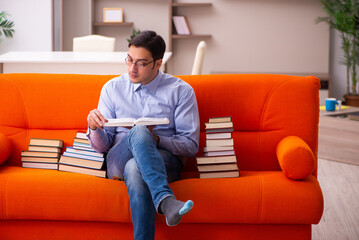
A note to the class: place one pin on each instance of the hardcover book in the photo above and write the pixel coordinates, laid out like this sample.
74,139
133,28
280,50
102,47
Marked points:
181,25
353,116
52,166
40,159
220,119
83,156
81,140
130,122
217,148
222,135
39,154
219,153
81,135
226,174
88,171
219,142
86,151
46,142
81,162
218,125
216,160
217,167
44,149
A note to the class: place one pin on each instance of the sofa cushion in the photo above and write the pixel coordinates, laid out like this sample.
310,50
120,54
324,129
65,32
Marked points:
5,148
295,158
38,194
255,197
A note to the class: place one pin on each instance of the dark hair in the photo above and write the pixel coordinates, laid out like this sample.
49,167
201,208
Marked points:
150,41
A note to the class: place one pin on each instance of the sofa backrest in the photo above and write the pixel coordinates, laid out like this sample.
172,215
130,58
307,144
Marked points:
264,109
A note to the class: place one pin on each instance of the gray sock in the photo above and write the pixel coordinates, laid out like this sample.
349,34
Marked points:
174,209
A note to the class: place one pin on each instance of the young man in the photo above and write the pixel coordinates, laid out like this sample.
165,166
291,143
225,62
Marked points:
147,158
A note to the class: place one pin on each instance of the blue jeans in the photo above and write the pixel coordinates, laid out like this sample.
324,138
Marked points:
146,171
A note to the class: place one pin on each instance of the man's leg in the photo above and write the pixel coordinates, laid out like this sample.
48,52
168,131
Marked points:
142,209
149,161
152,167
121,154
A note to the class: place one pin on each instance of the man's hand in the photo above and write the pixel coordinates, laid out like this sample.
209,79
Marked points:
95,119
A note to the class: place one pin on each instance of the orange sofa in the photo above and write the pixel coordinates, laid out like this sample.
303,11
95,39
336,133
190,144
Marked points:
277,195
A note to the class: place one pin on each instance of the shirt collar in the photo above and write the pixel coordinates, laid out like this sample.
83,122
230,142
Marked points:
152,86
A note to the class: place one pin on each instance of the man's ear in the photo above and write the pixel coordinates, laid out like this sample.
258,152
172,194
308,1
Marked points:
158,63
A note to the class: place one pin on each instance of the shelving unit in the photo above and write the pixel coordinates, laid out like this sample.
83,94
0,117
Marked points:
176,36
97,23
175,5
191,4
104,24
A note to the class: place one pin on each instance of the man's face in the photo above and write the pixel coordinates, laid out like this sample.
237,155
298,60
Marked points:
148,72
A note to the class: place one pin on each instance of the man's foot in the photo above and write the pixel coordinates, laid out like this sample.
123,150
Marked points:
174,210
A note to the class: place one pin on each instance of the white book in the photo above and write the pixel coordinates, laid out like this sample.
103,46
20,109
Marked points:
219,142
219,135
226,174
88,171
83,156
79,162
181,25
218,125
53,166
81,135
217,167
220,119
216,160
86,151
80,146
219,153
130,122
217,148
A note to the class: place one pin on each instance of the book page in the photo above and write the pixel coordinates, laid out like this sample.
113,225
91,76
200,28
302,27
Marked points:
152,121
130,122
120,122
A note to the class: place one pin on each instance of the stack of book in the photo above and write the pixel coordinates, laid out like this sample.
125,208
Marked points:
353,116
219,159
42,153
82,158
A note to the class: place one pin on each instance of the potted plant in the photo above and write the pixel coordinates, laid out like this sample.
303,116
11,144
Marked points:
134,33
6,26
343,15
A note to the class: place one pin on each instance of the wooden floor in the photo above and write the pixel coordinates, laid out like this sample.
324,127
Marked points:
339,139
340,186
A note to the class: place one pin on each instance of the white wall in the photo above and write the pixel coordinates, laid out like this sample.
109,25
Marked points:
76,20
33,25
255,36
337,70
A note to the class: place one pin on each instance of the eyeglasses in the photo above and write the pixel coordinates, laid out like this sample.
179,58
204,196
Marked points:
138,64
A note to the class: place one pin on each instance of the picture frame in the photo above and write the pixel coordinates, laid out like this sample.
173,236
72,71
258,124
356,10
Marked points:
113,15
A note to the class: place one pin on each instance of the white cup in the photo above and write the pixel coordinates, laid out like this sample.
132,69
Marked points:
339,104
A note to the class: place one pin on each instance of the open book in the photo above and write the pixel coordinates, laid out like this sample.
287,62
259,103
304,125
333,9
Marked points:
130,122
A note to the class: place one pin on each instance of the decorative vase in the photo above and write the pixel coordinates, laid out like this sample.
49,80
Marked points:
352,100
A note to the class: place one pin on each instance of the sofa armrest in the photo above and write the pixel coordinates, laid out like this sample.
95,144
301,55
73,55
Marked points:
5,148
295,158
